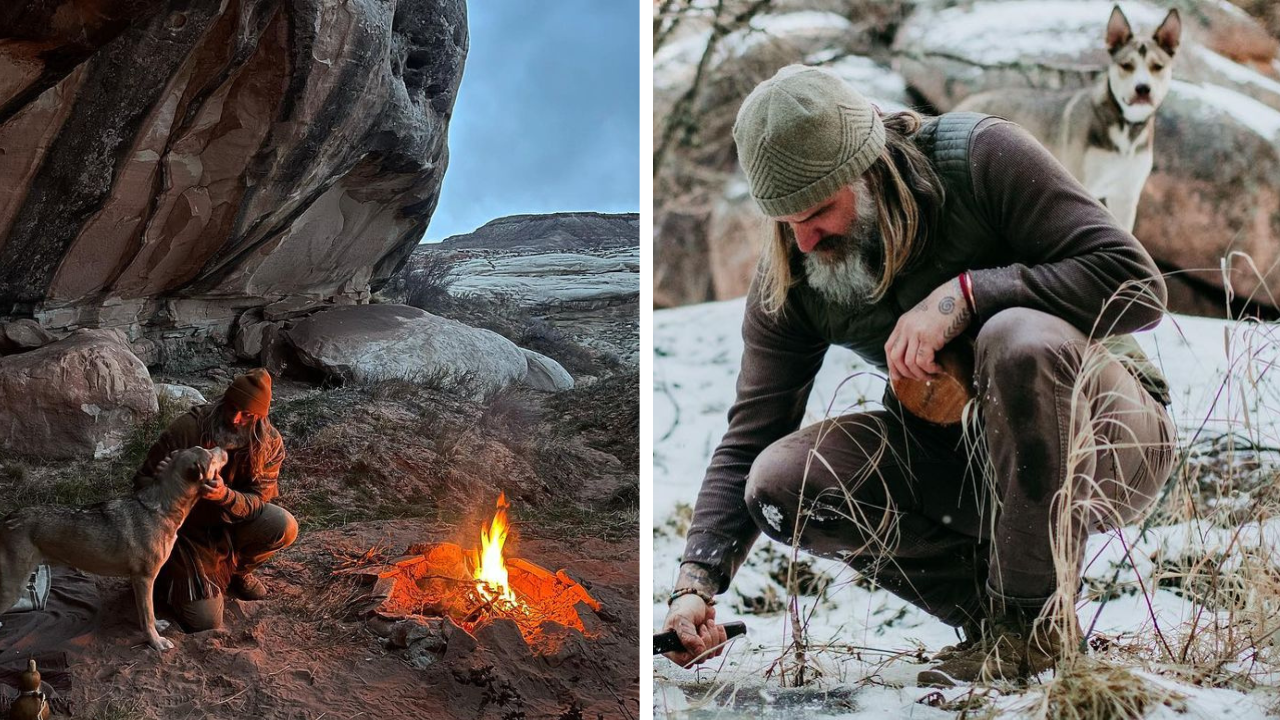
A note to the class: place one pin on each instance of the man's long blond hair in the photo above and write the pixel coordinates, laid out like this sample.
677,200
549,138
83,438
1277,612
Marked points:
908,197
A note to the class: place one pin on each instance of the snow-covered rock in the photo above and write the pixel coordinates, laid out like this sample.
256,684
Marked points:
181,396
553,278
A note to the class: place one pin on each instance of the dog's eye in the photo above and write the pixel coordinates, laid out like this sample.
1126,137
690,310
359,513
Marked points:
1157,67
1127,67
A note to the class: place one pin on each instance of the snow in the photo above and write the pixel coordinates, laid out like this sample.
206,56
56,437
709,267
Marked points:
1254,115
862,640
994,33
1236,72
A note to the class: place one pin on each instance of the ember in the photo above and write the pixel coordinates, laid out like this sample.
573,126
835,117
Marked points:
474,587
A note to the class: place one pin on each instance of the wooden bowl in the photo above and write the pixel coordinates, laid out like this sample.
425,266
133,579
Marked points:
941,399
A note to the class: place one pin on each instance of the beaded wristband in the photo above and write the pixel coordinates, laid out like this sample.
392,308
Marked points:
681,592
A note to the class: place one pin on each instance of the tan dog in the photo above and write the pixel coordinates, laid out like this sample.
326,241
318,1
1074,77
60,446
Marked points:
126,537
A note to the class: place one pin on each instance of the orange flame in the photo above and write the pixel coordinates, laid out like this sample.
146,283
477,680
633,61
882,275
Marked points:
491,566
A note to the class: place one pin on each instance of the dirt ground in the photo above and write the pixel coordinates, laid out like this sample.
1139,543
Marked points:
298,654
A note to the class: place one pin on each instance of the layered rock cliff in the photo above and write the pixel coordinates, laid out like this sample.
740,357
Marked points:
552,231
165,164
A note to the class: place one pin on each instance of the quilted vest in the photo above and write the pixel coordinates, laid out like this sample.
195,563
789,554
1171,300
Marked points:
962,242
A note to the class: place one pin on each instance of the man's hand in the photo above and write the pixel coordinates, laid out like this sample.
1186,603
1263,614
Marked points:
922,331
695,624
215,489
693,620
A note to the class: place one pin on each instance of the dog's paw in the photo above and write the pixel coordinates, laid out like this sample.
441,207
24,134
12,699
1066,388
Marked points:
162,644
162,625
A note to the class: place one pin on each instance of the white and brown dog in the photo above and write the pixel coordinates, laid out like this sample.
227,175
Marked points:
1102,134
126,537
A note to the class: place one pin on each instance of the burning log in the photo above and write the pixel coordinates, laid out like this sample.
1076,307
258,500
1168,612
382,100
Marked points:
439,586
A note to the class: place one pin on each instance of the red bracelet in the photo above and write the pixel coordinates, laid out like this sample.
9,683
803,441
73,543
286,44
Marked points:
966,289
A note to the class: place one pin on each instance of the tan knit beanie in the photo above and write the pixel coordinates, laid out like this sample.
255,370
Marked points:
802,135
251,392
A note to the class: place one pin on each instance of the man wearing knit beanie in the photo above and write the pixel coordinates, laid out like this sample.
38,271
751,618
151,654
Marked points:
235,527
894,235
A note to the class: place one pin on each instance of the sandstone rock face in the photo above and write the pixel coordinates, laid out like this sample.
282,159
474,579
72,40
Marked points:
76,398
164,165
554,278
552,231
369,343
546,374
1215,187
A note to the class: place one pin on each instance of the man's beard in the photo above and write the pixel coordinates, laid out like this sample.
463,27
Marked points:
847,273
229,437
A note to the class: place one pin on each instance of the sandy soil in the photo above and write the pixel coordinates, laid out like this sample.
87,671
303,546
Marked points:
295,655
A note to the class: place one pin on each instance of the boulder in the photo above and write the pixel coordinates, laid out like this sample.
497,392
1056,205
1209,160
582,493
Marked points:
22,335
180,396
1214,192
168,164
370,343
546,374
77,398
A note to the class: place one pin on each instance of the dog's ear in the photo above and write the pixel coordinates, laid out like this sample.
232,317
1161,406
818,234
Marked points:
1118,30
1169,34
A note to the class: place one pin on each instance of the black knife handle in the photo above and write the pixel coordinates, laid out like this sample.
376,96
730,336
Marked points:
665,642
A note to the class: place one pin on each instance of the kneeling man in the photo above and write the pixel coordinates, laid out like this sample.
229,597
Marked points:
893,236
234,528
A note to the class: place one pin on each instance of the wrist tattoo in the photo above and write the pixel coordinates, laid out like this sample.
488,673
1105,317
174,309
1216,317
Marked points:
947,305
698,576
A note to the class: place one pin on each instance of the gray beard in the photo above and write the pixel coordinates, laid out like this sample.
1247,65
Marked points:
848,280
230,438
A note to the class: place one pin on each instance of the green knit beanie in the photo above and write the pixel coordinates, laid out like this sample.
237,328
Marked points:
802,135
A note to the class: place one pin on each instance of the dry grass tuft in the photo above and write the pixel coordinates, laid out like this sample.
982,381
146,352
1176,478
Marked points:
1087,689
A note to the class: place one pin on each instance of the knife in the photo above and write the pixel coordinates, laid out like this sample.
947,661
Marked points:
665,642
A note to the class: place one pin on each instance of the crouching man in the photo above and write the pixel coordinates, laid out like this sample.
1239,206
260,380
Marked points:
234,528
893,236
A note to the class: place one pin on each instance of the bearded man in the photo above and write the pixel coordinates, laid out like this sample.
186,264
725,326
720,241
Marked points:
893,236
234,528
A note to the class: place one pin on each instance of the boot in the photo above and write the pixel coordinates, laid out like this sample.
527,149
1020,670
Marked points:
1017,645
248,587
971,635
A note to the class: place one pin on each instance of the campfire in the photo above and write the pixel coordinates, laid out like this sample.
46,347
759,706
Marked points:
471,588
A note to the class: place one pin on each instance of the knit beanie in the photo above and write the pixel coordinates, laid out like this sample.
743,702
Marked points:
802,135
251,392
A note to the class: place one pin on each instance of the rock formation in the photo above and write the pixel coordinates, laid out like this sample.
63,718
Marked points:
165,165
370,343
552,231
76,398
582,281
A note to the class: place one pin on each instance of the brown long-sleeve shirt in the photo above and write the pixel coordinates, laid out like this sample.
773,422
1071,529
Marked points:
1060,252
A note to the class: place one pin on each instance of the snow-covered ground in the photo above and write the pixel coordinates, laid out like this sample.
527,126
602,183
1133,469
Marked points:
866,643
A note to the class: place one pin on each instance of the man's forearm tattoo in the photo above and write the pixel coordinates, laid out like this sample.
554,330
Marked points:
949,306
698,576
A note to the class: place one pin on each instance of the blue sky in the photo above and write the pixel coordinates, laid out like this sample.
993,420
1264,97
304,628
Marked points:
548,115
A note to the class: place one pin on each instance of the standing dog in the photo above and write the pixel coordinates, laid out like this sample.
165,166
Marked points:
1101,134
126,537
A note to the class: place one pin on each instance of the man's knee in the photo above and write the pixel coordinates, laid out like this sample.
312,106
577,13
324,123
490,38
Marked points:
199,615
273,529
773,485
1018,345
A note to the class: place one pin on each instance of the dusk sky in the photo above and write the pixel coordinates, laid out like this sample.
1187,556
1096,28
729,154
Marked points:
548,115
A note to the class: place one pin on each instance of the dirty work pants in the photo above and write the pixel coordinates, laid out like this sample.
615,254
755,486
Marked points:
255,540
944,521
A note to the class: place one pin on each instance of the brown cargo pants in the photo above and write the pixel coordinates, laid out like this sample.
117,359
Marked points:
942,520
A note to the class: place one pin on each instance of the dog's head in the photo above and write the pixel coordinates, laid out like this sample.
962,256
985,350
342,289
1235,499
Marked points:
198,465
1141,69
